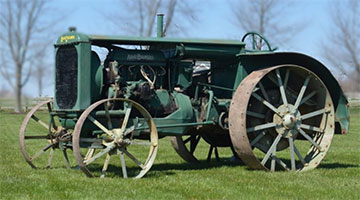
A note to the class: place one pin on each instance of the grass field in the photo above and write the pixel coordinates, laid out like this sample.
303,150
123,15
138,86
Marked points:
338,176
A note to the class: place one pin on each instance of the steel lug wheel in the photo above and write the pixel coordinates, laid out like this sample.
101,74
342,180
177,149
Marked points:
40,135
282,118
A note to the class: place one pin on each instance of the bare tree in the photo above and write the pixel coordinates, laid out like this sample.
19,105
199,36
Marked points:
41,69
267,18
341,47
20,24
141,20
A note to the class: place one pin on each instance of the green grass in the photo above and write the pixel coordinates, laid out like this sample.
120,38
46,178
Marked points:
337,177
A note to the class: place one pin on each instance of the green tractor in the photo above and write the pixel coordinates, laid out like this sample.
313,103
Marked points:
274,110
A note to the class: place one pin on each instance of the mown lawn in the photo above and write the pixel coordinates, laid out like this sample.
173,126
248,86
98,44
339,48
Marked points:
338,176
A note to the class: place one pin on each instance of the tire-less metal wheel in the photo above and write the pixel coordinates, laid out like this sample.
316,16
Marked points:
282,118
118,128
40,136
185,146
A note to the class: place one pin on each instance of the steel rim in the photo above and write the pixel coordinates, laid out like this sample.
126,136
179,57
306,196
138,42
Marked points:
185,146
282,118
119,142
40,136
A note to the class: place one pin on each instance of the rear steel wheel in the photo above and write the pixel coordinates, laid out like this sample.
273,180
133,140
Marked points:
40,136
118,128
282,118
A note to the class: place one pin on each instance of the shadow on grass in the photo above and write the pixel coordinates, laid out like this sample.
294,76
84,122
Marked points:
163,168
201,165
336,165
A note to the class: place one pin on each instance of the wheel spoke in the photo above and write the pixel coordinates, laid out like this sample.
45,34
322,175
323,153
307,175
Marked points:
98,124
302,92
108,116
133,158
89,154
286,78
282,164
261,127
298,154
254,114
132,128
98,155
266,103
292,156
43,150
66,159
105,166
271,149
194,142
187,140
282,90
289,91
264,92
40,122
123,164
51,156
309,138
312,128
49,106
142,143
126,118
91,140
47,137
307,97
273,155
257,138
313,114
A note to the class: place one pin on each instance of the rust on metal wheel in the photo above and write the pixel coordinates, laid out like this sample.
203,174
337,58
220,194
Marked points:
282,118
121,139
40,135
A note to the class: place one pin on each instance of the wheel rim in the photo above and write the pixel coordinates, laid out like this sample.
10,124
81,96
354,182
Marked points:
183,149
276,113
40,136
118,138
186,146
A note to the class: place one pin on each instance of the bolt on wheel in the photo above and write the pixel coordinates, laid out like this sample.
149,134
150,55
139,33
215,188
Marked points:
112,133
40,135
282,118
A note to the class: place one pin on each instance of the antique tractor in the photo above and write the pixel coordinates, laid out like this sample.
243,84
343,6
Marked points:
275,110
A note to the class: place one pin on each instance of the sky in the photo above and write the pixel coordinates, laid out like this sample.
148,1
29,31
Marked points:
214,22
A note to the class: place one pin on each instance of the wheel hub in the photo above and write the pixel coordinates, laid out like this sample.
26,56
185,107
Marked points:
287,120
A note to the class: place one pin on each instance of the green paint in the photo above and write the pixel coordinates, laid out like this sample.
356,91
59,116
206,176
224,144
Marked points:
171,61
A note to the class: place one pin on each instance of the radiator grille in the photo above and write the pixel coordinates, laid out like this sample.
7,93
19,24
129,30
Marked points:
66,77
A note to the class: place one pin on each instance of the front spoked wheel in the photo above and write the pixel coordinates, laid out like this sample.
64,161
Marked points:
40,135
115,136
282,118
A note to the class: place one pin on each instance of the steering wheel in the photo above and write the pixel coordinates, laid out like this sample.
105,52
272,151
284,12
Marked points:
257,41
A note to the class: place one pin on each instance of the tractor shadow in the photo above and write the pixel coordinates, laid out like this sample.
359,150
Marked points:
161,169
201,165
168,168
337,166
